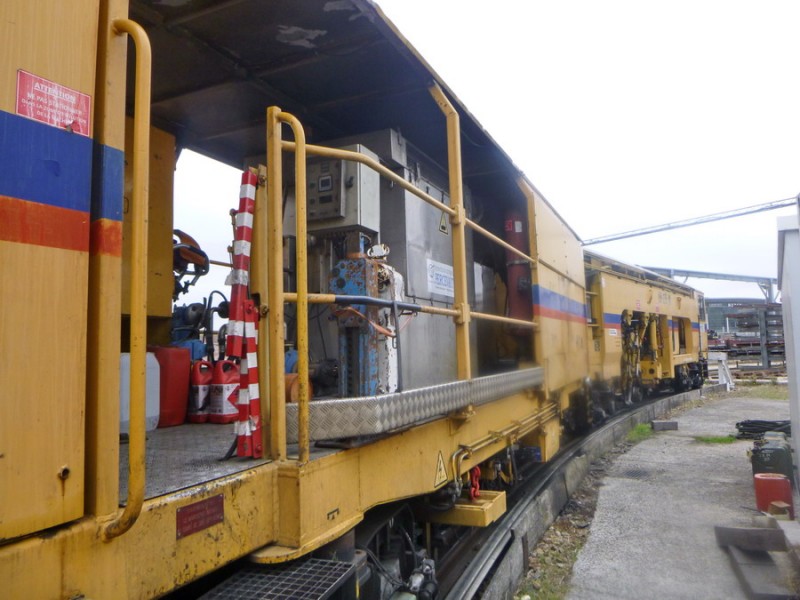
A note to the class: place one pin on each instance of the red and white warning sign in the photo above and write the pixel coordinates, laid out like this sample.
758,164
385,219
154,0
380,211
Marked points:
48,102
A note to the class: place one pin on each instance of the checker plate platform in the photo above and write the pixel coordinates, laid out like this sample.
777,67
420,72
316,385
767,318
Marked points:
313,579
372,415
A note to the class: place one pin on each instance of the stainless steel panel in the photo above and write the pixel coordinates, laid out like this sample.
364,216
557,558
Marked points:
411,228
386,143
352,417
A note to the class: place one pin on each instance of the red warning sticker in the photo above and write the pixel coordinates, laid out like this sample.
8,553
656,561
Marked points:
48,102
199,515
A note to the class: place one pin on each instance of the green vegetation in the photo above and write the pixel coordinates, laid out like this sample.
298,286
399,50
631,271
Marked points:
553,570
641,432
715,439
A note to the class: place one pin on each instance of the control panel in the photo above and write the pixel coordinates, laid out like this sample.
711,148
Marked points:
343,194
326,190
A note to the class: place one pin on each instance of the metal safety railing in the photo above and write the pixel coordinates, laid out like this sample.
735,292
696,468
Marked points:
138,319
268,224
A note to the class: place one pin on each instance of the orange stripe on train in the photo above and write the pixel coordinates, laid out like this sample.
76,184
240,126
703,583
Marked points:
551,313
43,225
106,238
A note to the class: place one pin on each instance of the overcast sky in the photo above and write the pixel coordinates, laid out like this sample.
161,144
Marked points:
624,114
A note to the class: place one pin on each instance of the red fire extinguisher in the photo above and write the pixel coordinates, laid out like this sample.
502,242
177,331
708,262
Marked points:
200,395
224,393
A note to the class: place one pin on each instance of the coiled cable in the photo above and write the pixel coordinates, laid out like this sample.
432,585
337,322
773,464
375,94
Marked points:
753,429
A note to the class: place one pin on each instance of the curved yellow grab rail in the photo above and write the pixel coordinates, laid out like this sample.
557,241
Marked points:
275,117
458,223
141,177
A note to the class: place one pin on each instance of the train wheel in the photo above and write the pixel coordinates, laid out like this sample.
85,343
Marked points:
682,382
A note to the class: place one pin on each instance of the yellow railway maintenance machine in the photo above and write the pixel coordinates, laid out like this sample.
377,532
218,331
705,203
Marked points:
647,331
434,299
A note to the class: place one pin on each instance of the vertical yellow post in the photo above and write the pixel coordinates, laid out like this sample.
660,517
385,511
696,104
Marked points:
302,283
277,422
458,222
105,274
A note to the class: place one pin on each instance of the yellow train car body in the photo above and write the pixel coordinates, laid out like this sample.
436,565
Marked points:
663,318
65,257
44,260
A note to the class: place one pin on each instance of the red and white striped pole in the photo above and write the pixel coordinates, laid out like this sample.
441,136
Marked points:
249,426
242,325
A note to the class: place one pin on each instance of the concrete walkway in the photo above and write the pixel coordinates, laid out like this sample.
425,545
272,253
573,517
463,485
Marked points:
653,531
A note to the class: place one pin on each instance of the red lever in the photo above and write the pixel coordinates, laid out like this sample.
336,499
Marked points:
474,483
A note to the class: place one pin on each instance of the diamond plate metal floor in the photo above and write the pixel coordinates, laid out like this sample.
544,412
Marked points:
187,455
313,579
183,456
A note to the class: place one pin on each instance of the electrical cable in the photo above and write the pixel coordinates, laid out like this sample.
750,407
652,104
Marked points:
321,333
410,541
753,428
376,326
406,322
411,545
386,573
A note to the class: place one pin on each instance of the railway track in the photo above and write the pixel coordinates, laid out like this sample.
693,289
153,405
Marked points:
488,563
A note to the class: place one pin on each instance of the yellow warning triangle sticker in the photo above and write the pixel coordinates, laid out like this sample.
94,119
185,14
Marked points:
441,472
444,226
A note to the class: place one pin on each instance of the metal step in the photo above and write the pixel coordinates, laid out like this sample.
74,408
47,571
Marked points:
311,579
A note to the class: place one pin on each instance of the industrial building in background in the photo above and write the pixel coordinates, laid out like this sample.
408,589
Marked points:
751,332
748,330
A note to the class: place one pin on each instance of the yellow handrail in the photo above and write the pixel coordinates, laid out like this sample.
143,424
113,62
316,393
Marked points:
457,221
277,392
375,166
461,312
331,299
353,156
138,347
408,186
430,310
490,236
501,319
277,386
301,254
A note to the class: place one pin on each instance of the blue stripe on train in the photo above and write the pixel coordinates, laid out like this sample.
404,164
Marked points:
108,176
44,164
615,319
555,301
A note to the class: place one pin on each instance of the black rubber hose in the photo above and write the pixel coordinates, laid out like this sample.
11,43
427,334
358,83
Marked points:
752,429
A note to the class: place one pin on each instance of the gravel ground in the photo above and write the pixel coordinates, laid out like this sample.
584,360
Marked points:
551,562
